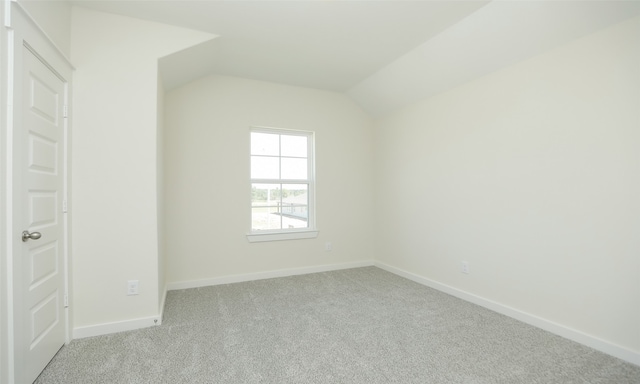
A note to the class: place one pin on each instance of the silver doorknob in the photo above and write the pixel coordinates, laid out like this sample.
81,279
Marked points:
33,235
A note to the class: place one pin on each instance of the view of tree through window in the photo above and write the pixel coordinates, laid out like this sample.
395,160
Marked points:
280,179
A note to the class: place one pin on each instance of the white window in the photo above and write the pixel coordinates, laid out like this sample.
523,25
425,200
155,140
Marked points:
282,185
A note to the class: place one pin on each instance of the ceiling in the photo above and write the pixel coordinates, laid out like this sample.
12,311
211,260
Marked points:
330,45
384,53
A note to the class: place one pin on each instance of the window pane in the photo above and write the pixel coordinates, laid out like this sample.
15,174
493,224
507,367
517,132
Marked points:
294,146
295,193
264,218
294,168
263,195
264,167
295,205
289,221
265,144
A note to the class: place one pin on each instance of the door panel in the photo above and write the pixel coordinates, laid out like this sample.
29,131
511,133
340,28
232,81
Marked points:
43,154
42,277
44,264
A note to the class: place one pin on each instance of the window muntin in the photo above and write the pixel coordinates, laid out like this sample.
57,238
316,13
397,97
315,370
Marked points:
281,181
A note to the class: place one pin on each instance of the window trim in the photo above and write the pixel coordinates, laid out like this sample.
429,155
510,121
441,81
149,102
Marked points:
289,233
258,237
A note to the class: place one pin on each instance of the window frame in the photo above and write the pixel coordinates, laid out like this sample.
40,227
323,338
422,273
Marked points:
287,233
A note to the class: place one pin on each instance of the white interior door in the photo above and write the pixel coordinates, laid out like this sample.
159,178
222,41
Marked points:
42,274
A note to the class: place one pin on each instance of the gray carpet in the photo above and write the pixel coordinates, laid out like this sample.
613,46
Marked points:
361,325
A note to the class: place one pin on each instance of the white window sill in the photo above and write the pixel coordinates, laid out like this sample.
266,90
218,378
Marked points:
256,237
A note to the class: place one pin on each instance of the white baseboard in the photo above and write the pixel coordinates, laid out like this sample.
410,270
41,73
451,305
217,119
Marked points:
118,326
266,275
555,328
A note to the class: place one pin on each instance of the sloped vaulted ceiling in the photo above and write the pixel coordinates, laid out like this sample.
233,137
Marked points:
384,54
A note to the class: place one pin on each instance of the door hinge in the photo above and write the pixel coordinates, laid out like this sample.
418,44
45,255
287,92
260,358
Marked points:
65,208
65,111
66,301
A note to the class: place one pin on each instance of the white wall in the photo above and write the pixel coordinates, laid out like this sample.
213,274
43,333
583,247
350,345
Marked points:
532,175
207,186
114,165
54,17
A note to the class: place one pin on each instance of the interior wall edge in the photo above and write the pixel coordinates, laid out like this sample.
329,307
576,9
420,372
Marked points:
163,299
4,186
536,321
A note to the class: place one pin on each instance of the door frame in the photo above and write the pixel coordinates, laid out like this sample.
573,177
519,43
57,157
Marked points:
20,30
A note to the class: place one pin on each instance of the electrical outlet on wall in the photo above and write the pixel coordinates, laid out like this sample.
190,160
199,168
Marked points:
464,267
328,247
